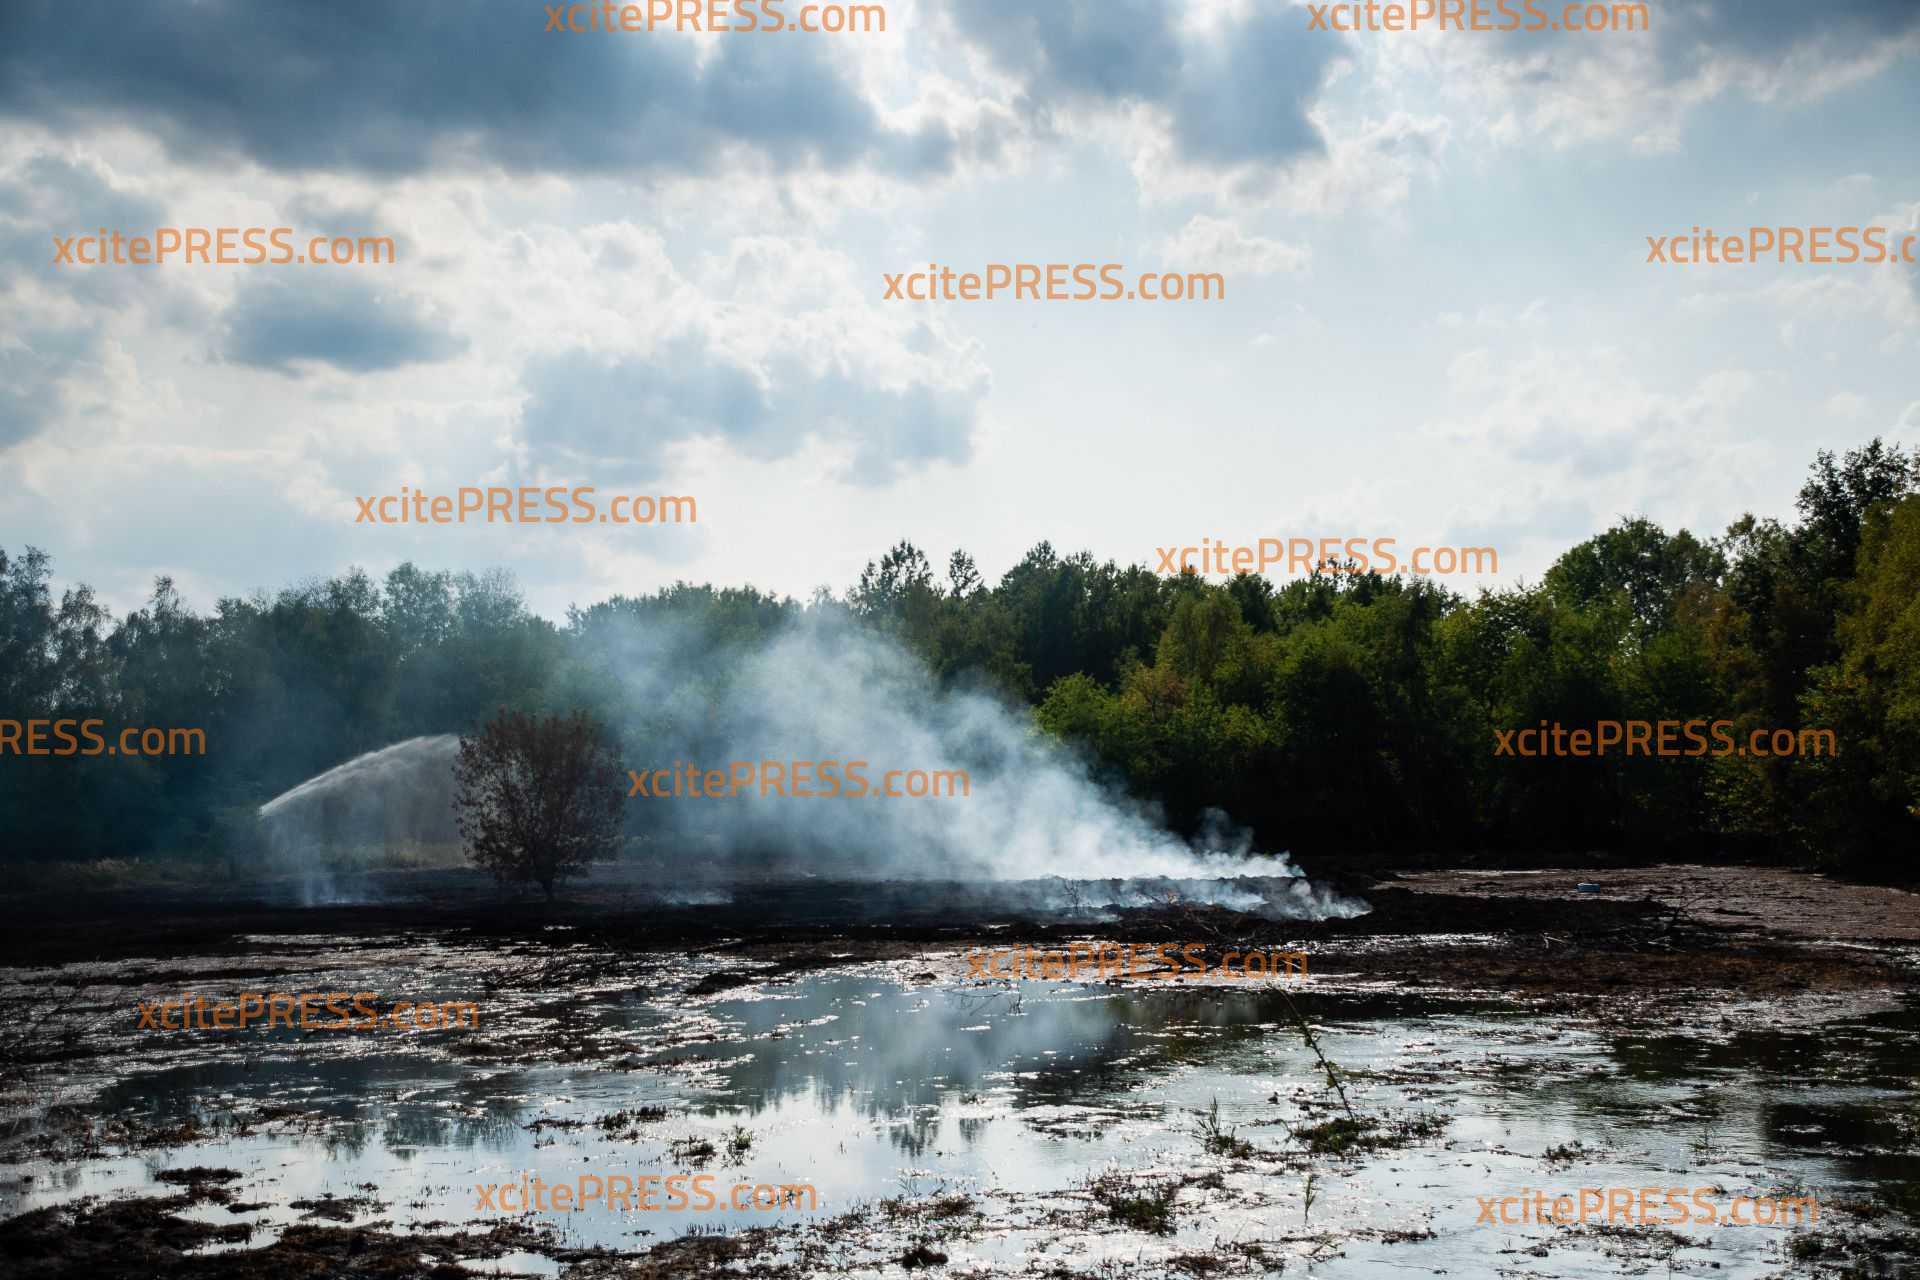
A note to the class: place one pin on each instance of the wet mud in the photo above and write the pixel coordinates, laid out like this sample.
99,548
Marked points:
1476,1035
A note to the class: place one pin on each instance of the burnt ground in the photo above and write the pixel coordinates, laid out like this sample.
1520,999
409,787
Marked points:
1713,927
1698,935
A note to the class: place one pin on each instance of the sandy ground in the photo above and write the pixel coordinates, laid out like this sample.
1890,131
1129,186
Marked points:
1745,899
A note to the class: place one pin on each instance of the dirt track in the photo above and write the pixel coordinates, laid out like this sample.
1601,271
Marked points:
1764,899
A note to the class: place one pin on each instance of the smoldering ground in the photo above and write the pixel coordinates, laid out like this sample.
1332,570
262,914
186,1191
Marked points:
823,689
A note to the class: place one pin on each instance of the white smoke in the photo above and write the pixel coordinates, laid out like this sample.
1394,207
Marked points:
824,689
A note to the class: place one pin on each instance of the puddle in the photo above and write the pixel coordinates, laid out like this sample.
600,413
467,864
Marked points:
1039,1106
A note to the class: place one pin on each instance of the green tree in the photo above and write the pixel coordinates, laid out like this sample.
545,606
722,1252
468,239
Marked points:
1864,802
1636,557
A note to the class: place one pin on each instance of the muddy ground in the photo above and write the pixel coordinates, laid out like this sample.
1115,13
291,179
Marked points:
1657,953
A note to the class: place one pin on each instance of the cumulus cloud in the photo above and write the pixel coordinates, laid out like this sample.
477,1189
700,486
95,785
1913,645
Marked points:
1236,93
51,314
1848,406
588,290
1244,93
350,325
1560,426
375,87
1566,88
1096,48
1227,102
30,375
47,197
1367,164
1774,47
1221,245
777,345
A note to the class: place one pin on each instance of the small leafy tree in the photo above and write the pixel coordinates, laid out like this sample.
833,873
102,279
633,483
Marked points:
536,798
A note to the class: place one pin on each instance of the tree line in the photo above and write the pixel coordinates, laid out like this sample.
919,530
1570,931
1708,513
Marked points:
1340,712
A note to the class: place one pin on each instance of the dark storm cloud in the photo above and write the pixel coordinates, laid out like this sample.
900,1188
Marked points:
620,414
391,88
351,326
1237,95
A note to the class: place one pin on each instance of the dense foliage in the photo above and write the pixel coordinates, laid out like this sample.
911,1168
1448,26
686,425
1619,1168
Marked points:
1331,713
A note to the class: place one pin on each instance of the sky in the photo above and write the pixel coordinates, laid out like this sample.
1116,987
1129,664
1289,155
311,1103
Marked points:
654,263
